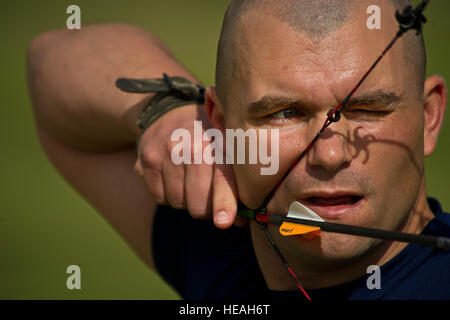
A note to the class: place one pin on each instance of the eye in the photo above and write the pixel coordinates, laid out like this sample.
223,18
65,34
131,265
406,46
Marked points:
364,111
285,114
367,112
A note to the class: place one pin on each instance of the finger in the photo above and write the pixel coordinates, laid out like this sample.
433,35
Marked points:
154,182
173,182
198,190
224,196
138,168
146,167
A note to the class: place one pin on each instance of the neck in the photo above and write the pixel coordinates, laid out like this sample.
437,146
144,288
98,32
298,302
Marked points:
319,274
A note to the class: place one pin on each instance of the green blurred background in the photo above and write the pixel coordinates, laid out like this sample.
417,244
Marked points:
44,225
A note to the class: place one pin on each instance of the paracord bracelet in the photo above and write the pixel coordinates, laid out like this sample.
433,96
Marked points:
171,93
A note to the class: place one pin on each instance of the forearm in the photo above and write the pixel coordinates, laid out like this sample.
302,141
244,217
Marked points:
71,76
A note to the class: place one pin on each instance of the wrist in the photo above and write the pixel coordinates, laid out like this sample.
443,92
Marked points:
171,93
131,113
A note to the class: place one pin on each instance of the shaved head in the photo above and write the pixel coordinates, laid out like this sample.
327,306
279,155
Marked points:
281,66
315,18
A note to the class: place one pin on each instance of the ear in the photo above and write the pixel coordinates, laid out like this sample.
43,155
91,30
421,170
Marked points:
435,102
214,109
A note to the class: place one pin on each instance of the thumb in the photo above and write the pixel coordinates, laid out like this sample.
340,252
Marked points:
225,198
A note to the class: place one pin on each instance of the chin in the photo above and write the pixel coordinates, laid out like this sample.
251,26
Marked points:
331,247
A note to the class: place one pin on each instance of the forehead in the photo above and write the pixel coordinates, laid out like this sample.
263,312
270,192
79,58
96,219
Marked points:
273,58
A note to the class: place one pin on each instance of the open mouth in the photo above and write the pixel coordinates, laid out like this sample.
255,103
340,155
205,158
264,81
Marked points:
333,206
333,201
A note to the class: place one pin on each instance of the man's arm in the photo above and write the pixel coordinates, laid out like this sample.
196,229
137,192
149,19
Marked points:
87,125
72,76
88,128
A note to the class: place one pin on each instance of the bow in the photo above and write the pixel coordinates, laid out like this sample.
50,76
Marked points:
299,220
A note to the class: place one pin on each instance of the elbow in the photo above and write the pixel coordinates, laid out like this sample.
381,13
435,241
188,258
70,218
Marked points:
34,59
37,51
33,51
38,59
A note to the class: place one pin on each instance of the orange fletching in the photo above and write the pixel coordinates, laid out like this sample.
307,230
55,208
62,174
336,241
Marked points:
292,229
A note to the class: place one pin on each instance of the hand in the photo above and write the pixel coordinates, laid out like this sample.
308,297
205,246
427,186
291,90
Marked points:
205,191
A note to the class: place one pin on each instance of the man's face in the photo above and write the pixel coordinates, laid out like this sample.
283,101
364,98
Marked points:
366,169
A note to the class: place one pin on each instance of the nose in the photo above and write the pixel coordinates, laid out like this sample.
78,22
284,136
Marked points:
332,150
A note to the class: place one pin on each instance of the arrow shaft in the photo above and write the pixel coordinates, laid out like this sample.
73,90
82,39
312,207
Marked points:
427,240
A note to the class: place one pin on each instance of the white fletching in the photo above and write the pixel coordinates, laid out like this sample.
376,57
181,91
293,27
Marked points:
297,210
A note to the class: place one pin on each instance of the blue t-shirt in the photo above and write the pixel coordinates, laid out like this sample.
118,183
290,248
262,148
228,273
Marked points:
202,262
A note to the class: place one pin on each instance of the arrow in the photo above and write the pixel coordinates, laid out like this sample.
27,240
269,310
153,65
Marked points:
304,217
299,211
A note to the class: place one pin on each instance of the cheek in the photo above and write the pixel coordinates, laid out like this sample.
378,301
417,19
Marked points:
396,166
249,184
253,186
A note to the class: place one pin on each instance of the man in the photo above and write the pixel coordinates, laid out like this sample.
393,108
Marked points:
281,65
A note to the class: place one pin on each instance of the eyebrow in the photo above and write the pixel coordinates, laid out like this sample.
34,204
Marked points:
378,98
268,103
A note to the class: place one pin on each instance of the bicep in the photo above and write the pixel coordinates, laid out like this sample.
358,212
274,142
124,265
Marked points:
109,183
